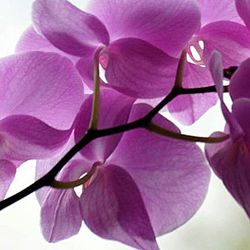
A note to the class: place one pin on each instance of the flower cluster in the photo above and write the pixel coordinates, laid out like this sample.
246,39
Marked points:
140,176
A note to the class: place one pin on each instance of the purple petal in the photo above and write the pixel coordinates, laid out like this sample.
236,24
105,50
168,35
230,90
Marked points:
60,215
138,69
167,25
239,84
43,85
212,148
68,28
231,39
113,112
71,171
60,209
85,67
173,185
216,69
25,137
32,41
231,163
240,110
243,8
214,10
189,108
113,208
7,174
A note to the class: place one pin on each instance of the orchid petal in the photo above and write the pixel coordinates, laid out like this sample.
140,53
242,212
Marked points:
173,185
43,85
60,209
168,25
113,208
113,112
85,67
243,8
240,110
25,137
7,174
214,10
68,28
231,163
189,108
32,41
216,69
212,148
231,39
60,215
136,68
239,84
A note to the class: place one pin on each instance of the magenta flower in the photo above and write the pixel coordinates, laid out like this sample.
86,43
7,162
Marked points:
142,185
38,107
221,30
231,159
138,45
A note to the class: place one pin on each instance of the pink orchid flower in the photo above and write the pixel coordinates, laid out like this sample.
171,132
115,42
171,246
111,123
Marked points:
230,160
141,40
142,185
38,107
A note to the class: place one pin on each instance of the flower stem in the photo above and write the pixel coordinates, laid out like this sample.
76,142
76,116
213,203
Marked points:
165,132
73,184
95,105
92,134
180,69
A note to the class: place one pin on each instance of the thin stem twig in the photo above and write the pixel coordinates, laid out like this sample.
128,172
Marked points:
96,96
165,132
93,134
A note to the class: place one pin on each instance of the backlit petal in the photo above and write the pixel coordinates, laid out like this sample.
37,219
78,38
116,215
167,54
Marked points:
231,39
68,28
113,208
114,111
243,8
138,69
189,108
239,84
7,174
25,137
214,10
167,25
43,85
173,184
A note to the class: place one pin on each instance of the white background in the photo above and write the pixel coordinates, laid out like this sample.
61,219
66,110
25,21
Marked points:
220,223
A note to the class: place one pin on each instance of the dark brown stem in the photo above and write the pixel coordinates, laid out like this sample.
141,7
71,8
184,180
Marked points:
91,135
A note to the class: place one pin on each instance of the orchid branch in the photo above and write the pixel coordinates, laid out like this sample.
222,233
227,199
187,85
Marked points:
95,106
165,132
93,134
180,69
72,184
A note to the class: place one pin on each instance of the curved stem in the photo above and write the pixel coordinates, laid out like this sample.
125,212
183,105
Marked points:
180,69
73,184
164,132
95,105
93,134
